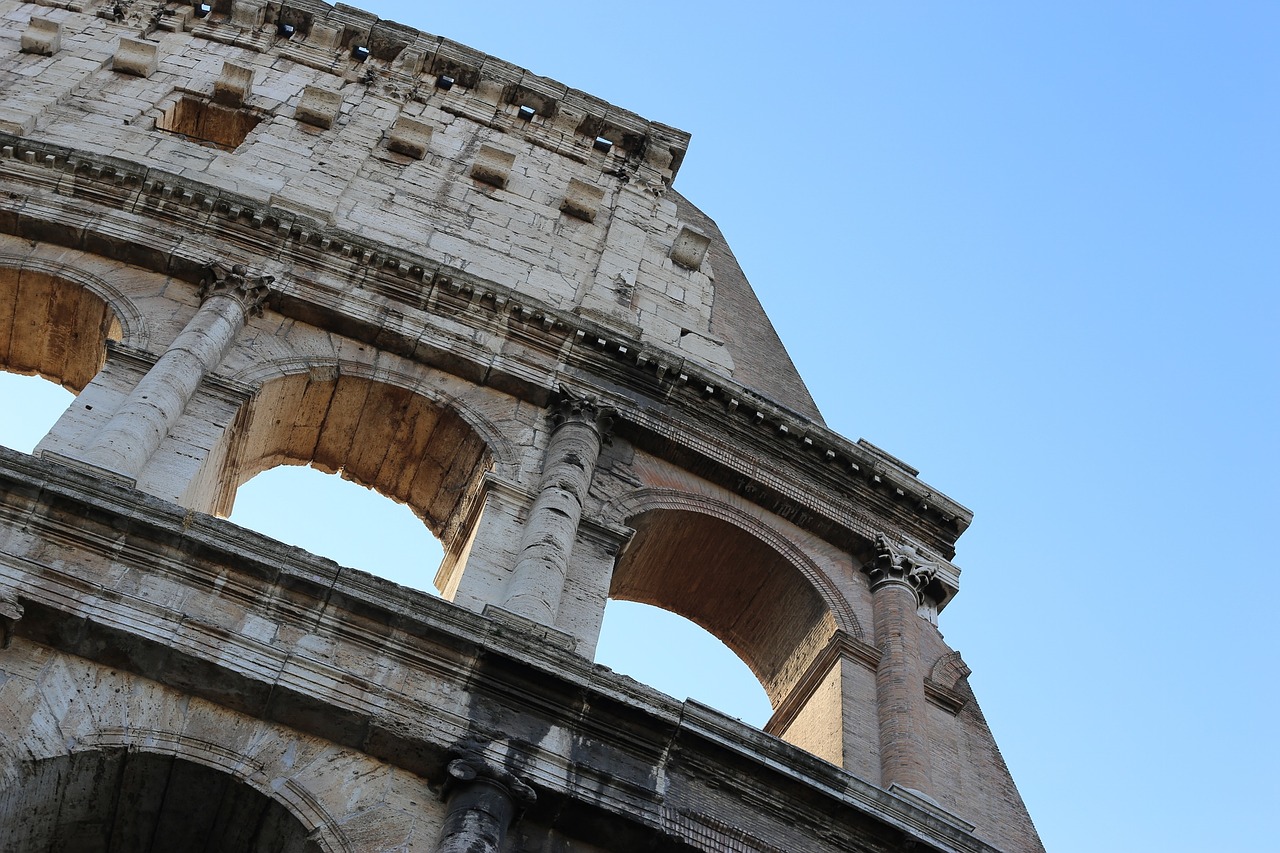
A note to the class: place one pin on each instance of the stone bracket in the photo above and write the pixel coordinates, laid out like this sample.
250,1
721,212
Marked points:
10,612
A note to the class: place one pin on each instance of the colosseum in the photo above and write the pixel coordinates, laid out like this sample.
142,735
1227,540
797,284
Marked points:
250,233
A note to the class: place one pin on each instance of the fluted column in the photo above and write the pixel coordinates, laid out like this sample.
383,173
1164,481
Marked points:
536,586
482,804
898,573
127,441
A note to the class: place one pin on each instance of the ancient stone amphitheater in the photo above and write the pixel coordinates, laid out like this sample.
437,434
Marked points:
254,233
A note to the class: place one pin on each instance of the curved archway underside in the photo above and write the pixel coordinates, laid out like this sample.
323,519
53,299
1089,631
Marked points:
125,801
731,583
52,327
378,435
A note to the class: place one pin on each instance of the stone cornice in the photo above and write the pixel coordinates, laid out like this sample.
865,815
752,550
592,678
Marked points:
405,63
191,650
850,479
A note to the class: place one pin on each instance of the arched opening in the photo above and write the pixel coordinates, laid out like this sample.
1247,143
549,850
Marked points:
54,329
681,659
341,520
29,407
383,437
125,801
732,583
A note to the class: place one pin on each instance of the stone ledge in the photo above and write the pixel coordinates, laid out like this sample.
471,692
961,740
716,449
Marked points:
66,609
851,467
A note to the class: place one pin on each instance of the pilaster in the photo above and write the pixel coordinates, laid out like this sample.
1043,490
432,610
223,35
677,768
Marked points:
131,437
537,586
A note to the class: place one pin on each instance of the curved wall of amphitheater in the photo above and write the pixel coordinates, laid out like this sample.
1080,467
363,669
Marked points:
261,234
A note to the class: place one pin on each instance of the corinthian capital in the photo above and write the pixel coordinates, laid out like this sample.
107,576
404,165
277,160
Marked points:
574,408
899,563
237,282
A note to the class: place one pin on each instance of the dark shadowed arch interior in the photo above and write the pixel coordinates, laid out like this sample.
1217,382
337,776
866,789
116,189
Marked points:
53,328
123,801
731,583
381,436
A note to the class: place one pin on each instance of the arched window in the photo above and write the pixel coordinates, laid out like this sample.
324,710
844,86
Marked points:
338,519
122,799
418,462
681,659
29,407
53,329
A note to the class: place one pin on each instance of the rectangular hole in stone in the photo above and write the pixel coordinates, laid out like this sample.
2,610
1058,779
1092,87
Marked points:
602,144
208,124
527,113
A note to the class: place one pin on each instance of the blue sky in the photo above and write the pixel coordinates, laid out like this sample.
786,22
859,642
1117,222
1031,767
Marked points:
1031,250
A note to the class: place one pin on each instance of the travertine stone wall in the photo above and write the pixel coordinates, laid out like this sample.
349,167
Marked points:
452,253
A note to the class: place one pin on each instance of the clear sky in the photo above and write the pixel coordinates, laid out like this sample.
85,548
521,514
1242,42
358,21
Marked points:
1031,249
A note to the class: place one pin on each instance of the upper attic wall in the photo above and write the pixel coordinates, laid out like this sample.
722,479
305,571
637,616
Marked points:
380,147
338,119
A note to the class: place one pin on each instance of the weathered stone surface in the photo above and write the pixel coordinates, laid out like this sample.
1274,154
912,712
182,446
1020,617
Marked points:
442,267
42,36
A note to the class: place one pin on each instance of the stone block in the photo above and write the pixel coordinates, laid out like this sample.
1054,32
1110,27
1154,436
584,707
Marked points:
582,200
410,136
493,166
42,36
690,248
136,57
248,14
233,86
324,36
318,107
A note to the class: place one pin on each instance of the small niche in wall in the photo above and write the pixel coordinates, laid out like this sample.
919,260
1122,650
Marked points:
207,123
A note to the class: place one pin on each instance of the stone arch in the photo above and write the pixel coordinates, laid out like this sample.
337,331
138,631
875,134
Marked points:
55,321
380,428
725,569
158,791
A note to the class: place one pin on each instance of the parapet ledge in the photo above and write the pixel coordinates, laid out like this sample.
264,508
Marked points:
360,47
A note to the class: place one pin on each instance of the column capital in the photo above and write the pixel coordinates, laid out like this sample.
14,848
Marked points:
898,563
237,282
569,407
474,768
10,612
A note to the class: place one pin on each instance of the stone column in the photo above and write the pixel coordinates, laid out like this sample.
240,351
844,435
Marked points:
897,574
482,804
537,584
127,441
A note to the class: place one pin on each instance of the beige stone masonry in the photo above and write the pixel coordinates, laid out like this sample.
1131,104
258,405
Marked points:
233,85
493,166
582,200
136,57
410,136
319,107
690,248
42,36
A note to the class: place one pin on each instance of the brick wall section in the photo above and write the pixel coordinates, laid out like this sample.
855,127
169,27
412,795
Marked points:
759,359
